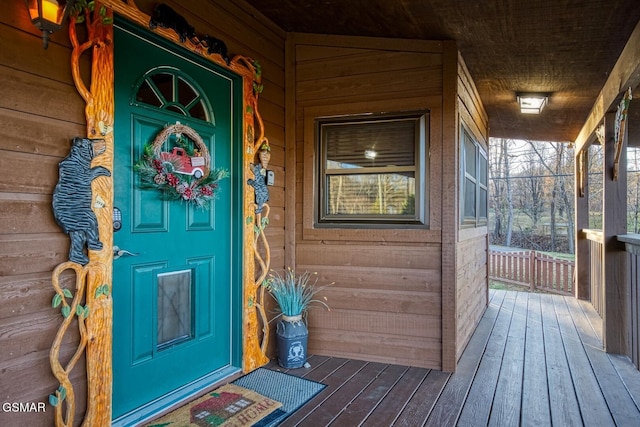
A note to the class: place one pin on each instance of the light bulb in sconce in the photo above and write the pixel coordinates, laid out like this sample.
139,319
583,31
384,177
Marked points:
50,10
370,154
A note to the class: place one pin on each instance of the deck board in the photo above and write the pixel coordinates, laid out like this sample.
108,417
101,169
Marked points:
418,408
402,392
334,380
614,392
371,396
565,410
507,400
593,406
534,360
535,392
449,405
477,408
342,398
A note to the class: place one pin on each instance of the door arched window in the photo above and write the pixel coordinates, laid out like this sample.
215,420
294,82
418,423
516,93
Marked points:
169,89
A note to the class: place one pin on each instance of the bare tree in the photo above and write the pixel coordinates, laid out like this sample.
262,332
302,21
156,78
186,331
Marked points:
496,189
530,189
595,182
501,199
507,177
553,158
633,190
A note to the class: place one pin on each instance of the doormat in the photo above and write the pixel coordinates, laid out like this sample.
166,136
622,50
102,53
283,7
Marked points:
227,406
291,391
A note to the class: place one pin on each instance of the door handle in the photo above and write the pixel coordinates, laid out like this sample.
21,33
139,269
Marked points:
117,252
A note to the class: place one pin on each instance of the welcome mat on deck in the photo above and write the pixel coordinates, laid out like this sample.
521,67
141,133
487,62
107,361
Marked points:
291,391
229,405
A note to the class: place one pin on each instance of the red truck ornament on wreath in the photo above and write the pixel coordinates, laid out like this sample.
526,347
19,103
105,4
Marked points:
184,164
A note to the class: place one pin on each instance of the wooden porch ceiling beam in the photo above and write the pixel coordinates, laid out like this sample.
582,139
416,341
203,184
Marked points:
625,74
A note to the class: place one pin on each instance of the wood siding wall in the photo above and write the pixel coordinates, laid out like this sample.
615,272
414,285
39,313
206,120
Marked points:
40,111
472,248
386,300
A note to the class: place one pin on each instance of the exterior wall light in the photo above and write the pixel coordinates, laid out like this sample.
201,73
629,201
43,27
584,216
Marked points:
532,103
48,16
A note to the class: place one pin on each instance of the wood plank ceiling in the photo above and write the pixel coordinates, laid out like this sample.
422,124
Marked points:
565,47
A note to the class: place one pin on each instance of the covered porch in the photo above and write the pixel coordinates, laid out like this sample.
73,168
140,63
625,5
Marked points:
606,270
535,359
513,357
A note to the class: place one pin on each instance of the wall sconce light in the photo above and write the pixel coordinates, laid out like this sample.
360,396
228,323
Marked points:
48,16
532,103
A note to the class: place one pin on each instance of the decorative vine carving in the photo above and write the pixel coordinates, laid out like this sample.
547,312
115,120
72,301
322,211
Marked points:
94,317
90,304
63,399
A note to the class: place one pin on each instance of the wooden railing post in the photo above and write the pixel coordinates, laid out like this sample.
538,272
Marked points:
532,270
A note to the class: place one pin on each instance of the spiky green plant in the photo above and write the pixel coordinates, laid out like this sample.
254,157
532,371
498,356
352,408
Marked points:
294,294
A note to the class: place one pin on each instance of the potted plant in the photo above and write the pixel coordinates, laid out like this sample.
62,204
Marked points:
294,296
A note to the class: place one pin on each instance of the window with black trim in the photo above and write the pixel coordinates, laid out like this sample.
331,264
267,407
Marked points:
372,169
474,182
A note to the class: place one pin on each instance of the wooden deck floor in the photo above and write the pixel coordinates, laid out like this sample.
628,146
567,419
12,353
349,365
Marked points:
534,360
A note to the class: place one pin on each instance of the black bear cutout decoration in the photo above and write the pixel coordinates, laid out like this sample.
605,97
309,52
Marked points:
215,45
165,17
259,184
72,198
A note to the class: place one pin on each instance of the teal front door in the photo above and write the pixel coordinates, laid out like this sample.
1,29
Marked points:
174,281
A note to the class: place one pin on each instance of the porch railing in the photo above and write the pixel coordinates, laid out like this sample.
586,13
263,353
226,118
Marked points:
596,285
533,269
632,246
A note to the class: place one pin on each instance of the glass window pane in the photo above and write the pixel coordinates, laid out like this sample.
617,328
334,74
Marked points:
164,83
174,307
482,208
176,109
469,199
371,194
370,144
147,95
186,94
199,111
371,168
483,178
469,156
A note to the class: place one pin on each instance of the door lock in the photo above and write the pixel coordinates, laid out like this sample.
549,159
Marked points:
117,219
117,252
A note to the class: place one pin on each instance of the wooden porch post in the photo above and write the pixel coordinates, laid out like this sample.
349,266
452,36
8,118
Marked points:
614,263
450,203
581,195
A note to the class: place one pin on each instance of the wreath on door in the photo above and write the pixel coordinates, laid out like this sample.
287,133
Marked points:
183,172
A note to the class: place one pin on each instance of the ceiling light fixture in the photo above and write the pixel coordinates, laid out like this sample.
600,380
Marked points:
48,16
370,154
532,103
